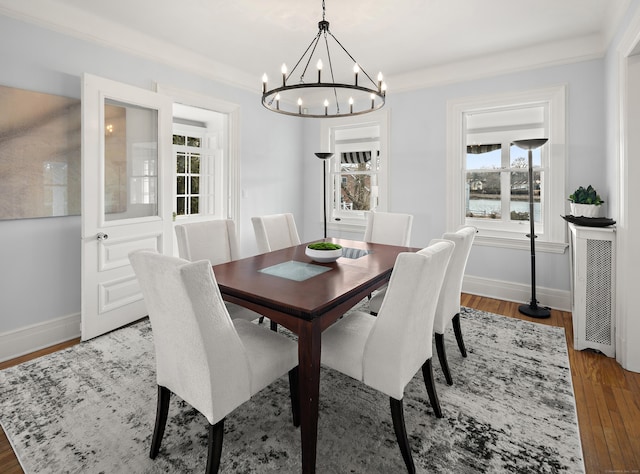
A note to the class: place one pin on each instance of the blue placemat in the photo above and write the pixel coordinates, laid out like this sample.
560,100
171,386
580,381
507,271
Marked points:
297,271
349,252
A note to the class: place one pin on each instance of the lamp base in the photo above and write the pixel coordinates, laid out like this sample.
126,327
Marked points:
534,311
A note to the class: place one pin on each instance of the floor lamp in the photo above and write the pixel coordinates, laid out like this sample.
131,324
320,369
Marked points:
324,156
532,309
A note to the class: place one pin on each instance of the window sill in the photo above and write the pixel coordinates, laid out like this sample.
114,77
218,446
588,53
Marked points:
522,243
347,226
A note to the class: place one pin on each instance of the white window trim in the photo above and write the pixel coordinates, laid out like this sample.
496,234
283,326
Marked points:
211,166
232,162
555,238
380,118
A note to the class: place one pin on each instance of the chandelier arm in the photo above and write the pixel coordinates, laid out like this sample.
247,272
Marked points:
313,43
333,79
352,58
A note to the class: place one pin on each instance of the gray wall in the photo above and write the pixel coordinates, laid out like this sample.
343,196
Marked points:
418,161
40,258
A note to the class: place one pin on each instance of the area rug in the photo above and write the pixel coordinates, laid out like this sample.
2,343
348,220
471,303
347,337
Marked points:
91,408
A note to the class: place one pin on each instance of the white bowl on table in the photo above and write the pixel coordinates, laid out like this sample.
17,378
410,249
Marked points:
323,256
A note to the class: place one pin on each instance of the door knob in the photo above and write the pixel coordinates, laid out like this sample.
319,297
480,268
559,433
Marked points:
102,236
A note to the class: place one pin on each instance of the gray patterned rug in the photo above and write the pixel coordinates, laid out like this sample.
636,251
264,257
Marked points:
90,409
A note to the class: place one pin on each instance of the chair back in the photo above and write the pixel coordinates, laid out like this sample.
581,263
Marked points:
400,341
449,300
275,232
199,355
388,228
214,240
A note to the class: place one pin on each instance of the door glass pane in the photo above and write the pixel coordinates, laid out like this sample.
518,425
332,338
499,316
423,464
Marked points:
130,161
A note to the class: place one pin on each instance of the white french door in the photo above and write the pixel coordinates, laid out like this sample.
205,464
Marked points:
127,196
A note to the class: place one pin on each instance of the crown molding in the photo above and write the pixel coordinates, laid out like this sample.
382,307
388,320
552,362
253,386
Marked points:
78,24
523,59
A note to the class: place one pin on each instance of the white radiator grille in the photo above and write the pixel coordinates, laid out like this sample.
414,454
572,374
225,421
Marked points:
599,284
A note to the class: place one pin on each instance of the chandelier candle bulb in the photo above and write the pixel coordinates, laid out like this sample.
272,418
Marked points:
264,82
380,81
299,105
350,105
326,106
319,65
373,101
278,101
284,74
356,70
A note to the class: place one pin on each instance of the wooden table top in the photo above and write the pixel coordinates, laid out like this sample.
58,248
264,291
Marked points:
317,295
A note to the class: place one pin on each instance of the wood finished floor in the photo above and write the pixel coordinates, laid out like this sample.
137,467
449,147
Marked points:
607,398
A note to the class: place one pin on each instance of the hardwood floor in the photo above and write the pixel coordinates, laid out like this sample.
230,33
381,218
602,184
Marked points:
607,398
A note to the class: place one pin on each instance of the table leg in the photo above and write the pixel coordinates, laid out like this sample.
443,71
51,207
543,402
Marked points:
309,373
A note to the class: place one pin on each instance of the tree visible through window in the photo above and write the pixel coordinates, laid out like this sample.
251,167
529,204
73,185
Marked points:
489,172
188,160
355,172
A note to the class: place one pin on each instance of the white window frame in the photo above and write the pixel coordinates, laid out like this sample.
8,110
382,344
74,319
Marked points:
355,221
211,195
554,239
231,162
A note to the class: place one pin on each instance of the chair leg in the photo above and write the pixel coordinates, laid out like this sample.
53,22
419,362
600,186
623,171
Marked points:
214,451
442,357
295,395
397,415
274,326
427,373
458,332
162,411
261,320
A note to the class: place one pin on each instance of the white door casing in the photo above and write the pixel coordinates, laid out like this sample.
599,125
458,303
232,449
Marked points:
127,195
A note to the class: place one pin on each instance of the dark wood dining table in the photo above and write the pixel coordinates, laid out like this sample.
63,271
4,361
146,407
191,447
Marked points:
307,307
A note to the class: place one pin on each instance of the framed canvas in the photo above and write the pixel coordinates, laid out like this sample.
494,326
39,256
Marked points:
39,154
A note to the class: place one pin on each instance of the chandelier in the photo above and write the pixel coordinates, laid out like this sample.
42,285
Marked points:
329,93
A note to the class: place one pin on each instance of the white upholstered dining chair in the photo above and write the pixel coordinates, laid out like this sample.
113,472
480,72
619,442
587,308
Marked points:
216,241
213,363
390,228
275,232
386,351
448,310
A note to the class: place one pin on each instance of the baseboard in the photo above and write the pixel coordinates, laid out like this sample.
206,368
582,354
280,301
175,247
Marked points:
508,291
31,338
38,336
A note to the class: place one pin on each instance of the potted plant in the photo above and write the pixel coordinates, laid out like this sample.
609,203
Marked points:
324,252
585,202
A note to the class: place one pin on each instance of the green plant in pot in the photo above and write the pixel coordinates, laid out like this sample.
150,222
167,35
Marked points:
585,202
324,251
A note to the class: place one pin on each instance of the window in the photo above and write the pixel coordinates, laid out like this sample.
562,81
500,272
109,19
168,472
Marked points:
357,170
199,171
488,175
188,152
355,167
216,124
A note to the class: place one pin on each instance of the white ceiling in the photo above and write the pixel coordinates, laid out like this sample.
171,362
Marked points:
414,42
